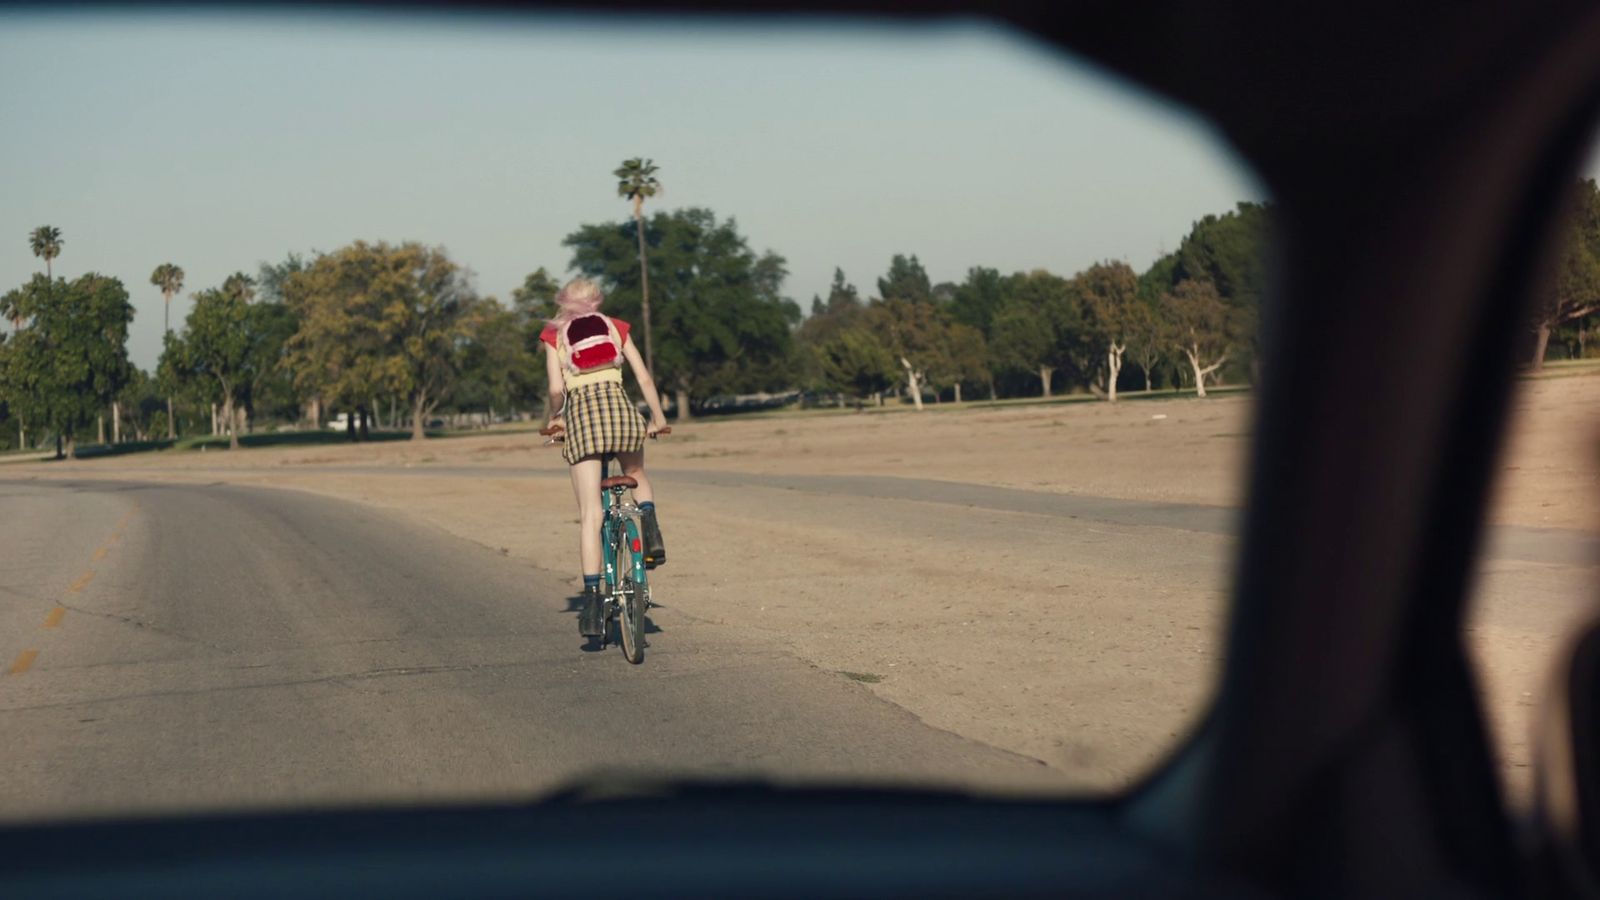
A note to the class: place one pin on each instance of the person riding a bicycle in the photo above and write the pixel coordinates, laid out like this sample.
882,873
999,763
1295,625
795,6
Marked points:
584,351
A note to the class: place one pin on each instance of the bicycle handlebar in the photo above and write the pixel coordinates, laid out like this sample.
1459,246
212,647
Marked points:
558,433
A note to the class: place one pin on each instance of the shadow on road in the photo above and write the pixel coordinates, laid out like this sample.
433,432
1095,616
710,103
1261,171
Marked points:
592,645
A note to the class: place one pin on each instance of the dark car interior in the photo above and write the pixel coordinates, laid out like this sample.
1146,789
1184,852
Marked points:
1418,154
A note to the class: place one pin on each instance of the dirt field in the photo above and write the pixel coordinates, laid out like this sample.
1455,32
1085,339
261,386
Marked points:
1088,644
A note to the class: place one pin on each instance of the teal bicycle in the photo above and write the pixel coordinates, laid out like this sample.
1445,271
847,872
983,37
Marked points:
626,597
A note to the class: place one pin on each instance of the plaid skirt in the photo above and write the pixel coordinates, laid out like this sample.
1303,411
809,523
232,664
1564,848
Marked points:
601,419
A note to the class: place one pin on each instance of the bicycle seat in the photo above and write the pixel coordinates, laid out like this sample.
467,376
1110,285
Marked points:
618,481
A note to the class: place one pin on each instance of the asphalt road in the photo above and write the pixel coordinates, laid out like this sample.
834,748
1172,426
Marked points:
177,647
1554,546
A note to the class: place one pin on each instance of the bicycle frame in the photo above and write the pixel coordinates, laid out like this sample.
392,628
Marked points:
619,530
627,593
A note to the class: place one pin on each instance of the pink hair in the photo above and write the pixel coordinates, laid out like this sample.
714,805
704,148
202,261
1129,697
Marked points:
580,297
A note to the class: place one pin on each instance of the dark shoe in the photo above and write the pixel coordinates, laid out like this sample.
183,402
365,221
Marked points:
591,619
655,552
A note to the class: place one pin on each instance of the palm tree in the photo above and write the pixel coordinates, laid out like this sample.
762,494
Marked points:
636,180
169,278
46,243
240,285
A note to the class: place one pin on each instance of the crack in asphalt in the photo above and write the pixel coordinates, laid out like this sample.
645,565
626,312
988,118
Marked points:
339,679
146,626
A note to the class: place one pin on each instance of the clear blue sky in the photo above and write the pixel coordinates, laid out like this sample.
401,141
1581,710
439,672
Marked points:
220,142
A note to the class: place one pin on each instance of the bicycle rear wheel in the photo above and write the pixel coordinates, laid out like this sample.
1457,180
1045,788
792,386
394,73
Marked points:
614,554
632,601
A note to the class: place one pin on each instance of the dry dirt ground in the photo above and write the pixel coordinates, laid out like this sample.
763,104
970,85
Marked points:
1087,643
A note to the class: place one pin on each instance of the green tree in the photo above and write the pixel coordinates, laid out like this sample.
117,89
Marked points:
843,298
1205,329
6,414
46,243
969,360
500,368
1149,338
272,277
1574,293
533,304
20,376
1231,253
175,381
1109,291
11,309
535,299
270,389
220,347
71,360
636,182
726,324
853,361
375,320
906,280
1158,279
826,361
921,338
977,298
240,285
335,355
1039,328
143,401
1023,343
916,332
277,393
169,279
974,302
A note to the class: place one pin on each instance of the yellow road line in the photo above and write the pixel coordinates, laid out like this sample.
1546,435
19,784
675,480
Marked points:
24,662
82,582
54,618
101,553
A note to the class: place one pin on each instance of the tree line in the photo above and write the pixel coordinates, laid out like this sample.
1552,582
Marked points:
1186,321
390,335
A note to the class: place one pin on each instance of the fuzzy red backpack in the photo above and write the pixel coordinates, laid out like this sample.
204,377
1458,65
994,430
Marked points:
589,342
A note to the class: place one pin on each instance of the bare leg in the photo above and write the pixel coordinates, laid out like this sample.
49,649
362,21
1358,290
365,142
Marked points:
633,467
586,485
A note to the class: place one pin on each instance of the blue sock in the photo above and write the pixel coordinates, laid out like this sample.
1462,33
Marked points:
591,581
647,506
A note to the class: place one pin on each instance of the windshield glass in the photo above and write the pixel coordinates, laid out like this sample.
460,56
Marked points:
1535,582
928,351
